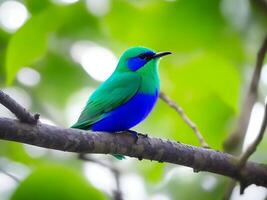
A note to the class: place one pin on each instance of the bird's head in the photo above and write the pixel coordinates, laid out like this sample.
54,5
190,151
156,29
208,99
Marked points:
137,58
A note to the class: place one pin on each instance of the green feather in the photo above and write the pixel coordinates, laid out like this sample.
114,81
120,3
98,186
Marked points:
117,90
119,157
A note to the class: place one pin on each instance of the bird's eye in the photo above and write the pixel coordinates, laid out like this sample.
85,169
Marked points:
144,56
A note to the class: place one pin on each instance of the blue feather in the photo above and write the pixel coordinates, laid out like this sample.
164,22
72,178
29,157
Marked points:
127,115
136,63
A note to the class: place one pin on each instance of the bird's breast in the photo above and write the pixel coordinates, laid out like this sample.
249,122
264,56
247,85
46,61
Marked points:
129,114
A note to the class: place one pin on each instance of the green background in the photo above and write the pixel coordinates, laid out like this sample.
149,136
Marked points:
214,45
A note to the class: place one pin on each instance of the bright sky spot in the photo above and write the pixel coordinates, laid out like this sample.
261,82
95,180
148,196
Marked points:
264,74
76,103
19,170
99,7
99,62
251,192
133,187
28,76
229,10
209,182
65,1
6,185
34,151
5,112
159,197
254,124
20,95
13,14
184,173
100,177
61,155
47,121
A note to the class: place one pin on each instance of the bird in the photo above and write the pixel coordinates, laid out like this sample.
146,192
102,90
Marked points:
127,97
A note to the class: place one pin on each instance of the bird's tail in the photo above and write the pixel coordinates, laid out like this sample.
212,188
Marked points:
119,157
82,126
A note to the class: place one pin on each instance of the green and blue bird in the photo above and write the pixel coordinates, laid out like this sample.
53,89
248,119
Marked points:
127,96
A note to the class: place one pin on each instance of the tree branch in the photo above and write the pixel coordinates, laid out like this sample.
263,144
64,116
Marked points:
186,119
79,141
21,113
236,139
252,148
261,4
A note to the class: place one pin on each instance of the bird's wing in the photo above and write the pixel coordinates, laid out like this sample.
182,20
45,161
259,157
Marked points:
114,92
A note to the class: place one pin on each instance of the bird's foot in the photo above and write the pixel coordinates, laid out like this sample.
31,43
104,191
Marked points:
136,135
143,135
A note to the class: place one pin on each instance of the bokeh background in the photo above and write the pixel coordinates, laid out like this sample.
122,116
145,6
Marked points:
54,53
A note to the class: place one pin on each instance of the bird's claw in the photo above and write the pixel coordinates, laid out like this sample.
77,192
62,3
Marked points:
136,135
143,135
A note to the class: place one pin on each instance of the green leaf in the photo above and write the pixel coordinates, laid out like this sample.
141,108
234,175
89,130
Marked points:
186,185
151,171
37,6
203,74
59,74
56,182
206,86
180,26
15,151
30,42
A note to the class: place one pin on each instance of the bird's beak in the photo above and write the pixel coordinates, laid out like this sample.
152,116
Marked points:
161,54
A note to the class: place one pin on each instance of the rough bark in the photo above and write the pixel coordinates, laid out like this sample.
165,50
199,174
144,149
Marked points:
73,140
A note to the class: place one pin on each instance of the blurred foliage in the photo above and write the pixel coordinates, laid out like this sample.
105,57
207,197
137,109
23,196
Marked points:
56,182
38,29
199,187
206,75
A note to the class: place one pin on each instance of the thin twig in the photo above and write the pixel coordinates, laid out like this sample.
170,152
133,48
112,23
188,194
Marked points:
260,4
252,148
10,175
21,113
186,119
117,194
235,140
